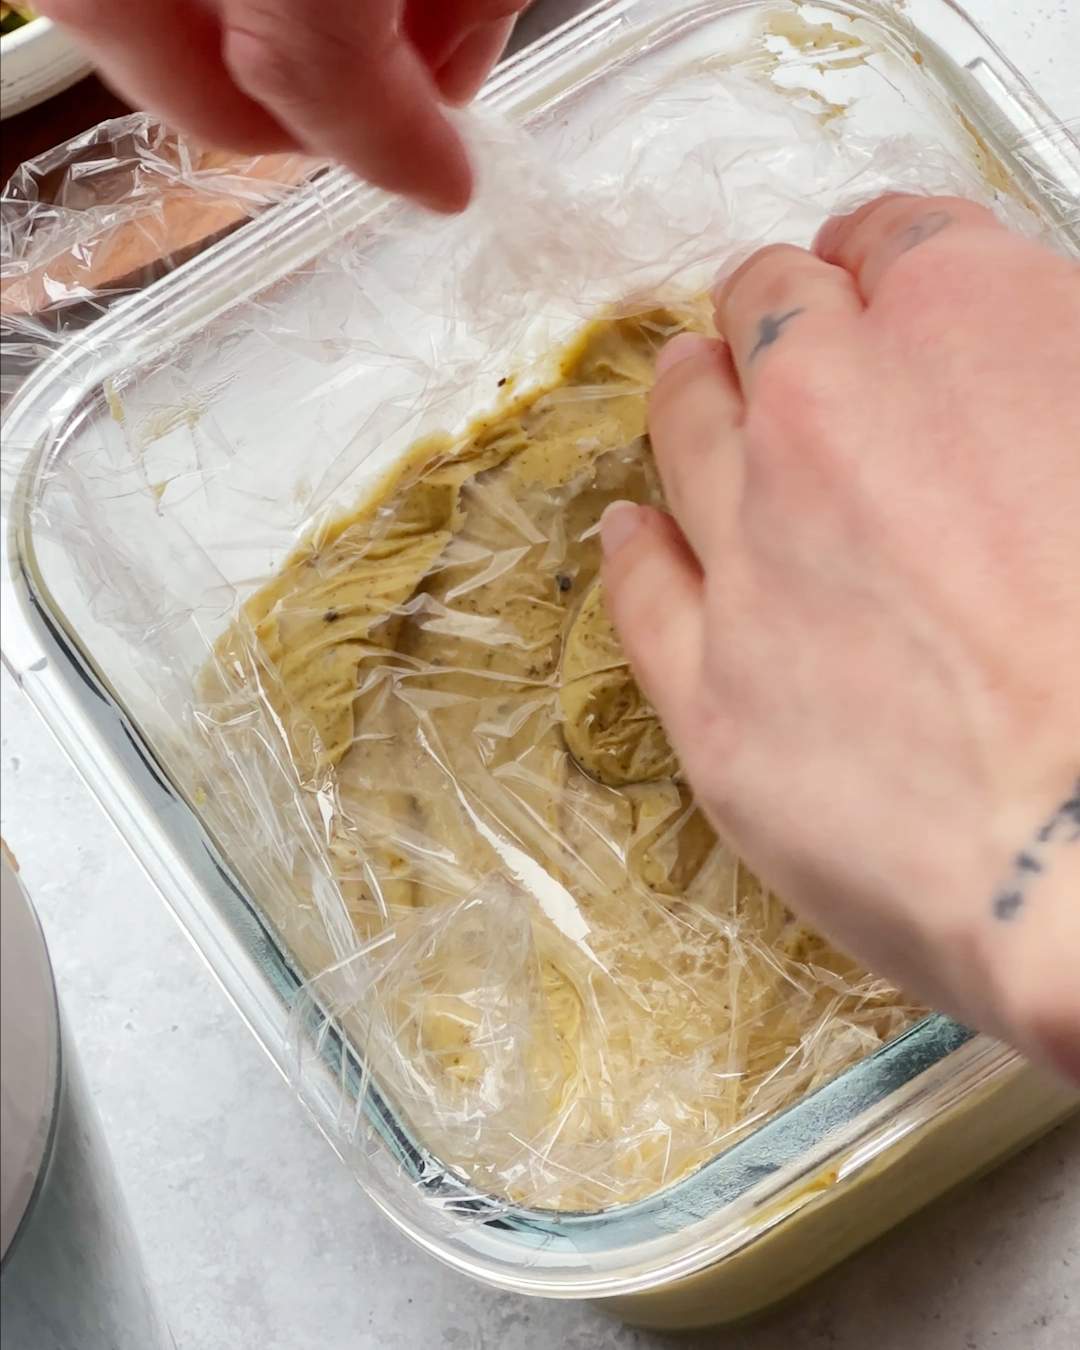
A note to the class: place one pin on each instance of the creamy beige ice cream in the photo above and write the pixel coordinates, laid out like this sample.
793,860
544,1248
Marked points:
444,672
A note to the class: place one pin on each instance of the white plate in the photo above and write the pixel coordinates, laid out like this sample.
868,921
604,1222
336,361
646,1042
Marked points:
36,62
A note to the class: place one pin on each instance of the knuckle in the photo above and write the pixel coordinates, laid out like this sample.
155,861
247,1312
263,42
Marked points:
959,209
261,63
793,373
672,385
775,290
276,63
796,398
918,221
924,298
767,267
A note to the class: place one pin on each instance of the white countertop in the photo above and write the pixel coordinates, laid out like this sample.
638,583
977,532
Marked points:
258,1239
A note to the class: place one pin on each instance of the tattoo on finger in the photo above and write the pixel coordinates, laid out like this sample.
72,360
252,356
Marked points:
924,228
769,329
1063,827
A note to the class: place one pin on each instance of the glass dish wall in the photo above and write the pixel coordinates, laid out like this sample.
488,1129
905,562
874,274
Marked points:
173,457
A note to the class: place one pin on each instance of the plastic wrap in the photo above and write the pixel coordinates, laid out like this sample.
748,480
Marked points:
361,627
108,212
571,991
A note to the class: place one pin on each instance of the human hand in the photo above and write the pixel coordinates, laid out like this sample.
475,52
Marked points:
358,82
862,626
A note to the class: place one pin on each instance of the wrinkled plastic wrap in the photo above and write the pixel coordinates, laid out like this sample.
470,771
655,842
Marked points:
107,213
363,632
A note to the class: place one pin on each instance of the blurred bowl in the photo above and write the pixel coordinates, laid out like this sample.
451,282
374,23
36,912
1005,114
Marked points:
37,61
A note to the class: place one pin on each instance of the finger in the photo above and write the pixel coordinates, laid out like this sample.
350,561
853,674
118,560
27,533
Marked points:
695,410
780,293
868,242
436,28
654,593
166,58
349,85
462,74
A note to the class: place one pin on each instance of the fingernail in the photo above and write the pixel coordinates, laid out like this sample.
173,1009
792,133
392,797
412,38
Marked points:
618,524
680,349
446,202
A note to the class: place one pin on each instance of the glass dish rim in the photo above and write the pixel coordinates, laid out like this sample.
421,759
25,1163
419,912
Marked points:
208,285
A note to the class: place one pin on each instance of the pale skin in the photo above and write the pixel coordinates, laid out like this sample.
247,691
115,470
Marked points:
860,621
363,82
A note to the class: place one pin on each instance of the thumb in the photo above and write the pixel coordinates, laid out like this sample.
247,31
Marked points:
653,587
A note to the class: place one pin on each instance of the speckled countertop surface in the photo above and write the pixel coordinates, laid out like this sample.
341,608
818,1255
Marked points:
256,1236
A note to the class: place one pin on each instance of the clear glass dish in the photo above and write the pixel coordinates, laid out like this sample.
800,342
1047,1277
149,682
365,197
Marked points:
806,1187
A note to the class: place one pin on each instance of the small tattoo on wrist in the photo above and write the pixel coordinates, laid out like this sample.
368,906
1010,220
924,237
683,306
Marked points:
924,228
770,328
1063,827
